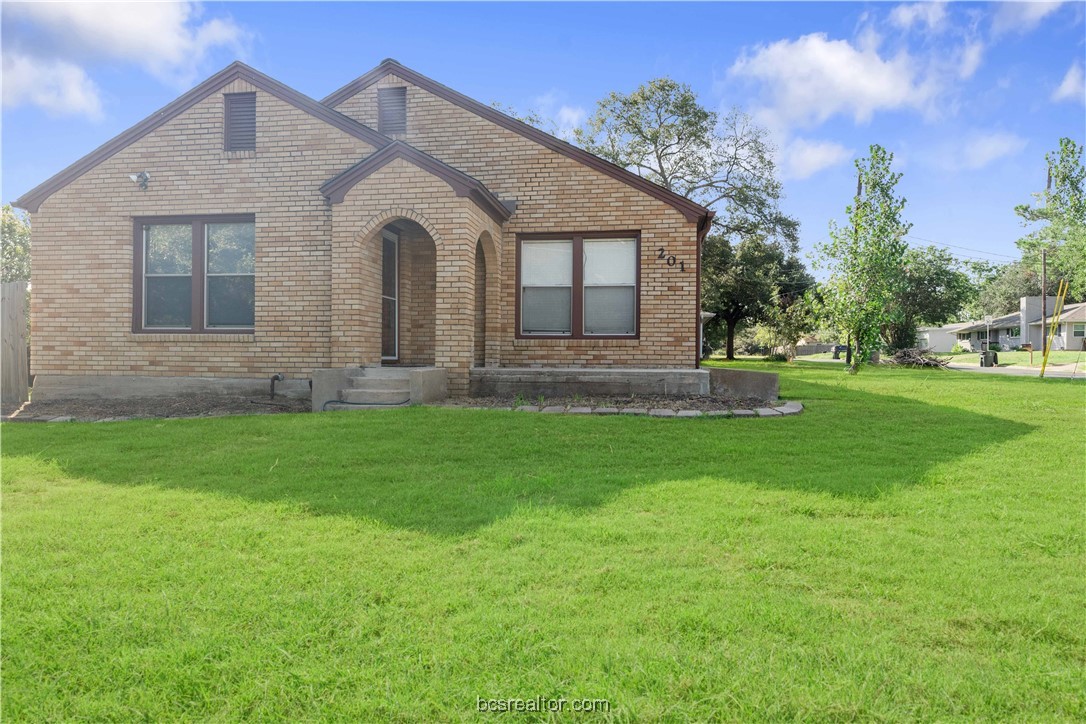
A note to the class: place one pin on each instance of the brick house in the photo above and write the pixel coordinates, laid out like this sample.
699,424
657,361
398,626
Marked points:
246,230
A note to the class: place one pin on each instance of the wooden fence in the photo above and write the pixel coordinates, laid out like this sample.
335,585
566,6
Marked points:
14,363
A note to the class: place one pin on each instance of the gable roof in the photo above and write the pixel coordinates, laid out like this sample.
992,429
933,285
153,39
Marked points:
1007,320
1072,313
33,199
336,188
691,210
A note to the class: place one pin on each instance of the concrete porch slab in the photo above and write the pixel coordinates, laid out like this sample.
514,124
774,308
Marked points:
564,381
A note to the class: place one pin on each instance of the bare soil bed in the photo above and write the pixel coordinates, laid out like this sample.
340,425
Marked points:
146,407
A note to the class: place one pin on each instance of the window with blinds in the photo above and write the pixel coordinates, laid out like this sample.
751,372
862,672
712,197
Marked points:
392,110
240,126
581,286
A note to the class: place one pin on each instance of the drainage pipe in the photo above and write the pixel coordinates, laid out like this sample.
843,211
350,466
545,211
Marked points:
324,407
277,377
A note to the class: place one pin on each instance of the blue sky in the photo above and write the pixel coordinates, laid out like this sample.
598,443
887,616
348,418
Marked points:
969,96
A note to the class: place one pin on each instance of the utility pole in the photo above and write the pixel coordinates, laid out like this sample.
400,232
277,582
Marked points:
1044,272
1044,298
856,234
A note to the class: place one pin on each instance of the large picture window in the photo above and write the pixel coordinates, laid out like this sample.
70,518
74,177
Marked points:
195,274
578,286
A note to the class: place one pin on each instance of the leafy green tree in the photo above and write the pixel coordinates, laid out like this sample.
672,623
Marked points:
1062,211
739,281
15,232
784,323
934,291
1001,293
531,116
866,258
746,282
661,132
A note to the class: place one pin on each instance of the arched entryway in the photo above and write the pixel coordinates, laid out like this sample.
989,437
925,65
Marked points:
408,287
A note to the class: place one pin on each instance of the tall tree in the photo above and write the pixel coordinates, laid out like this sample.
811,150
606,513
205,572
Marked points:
663,134
1062,211
1001,293
866,258
739,283
15,233
934,290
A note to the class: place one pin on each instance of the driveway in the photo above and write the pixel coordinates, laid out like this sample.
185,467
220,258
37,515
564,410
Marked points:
1062,371
1065,371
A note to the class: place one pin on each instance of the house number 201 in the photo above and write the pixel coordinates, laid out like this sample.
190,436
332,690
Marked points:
661,253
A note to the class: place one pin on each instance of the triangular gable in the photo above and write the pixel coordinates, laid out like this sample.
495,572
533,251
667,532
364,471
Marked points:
335,189
691,210
33,199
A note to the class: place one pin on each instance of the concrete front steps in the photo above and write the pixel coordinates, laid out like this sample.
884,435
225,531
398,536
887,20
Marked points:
376,388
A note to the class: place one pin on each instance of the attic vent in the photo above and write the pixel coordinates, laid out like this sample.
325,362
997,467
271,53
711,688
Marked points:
392,110
240,131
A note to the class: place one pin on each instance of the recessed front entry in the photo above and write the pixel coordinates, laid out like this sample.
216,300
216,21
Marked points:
390,296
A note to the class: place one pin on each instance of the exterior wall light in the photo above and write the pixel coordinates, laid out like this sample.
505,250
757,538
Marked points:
140,179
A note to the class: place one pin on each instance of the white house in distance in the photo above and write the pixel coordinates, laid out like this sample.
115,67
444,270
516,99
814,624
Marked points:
1010,330
1071,330
939,339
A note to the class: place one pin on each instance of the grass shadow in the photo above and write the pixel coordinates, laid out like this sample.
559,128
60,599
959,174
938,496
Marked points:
449,471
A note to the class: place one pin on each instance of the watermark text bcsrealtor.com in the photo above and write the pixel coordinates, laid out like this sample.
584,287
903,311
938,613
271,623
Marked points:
546,704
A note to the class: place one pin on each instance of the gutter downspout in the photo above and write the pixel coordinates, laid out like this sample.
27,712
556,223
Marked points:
703,230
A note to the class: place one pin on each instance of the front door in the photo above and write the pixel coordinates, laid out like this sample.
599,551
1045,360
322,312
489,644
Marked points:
390,296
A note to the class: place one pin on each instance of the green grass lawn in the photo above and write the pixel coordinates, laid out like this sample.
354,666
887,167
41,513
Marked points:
1056,357
911,546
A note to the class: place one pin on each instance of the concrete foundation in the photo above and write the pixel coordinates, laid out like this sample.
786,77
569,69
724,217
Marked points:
119,387
744,384
375,387
553,382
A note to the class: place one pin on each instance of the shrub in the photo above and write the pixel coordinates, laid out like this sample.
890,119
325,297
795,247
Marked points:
958,349
776,357
995,348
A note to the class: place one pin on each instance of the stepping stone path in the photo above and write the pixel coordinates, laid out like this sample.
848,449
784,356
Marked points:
783,409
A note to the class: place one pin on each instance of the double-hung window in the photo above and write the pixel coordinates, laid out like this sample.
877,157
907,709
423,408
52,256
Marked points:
579,286
1079,330
195,274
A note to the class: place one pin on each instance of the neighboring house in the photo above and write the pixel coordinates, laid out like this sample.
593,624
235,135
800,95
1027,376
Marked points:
246,230
1004,332
1070,331
939,339
1009,330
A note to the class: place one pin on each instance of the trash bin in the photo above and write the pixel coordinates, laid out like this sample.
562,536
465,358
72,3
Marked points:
986,358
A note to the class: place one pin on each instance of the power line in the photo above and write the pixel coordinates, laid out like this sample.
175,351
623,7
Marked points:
965,248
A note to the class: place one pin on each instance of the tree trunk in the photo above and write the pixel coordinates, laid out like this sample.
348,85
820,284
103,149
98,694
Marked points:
856,358
731,339
848,351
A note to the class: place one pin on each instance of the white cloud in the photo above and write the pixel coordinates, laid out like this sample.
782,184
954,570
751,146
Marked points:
1021,17
930,14
58,87
569,118
564,117
971,56
170,40
801,158
167,39
1073,86
808,80
984,148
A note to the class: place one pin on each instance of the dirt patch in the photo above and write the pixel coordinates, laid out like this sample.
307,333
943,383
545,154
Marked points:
154,407
706,403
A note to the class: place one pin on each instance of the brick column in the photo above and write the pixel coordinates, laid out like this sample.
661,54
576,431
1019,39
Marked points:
455,313
356,296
